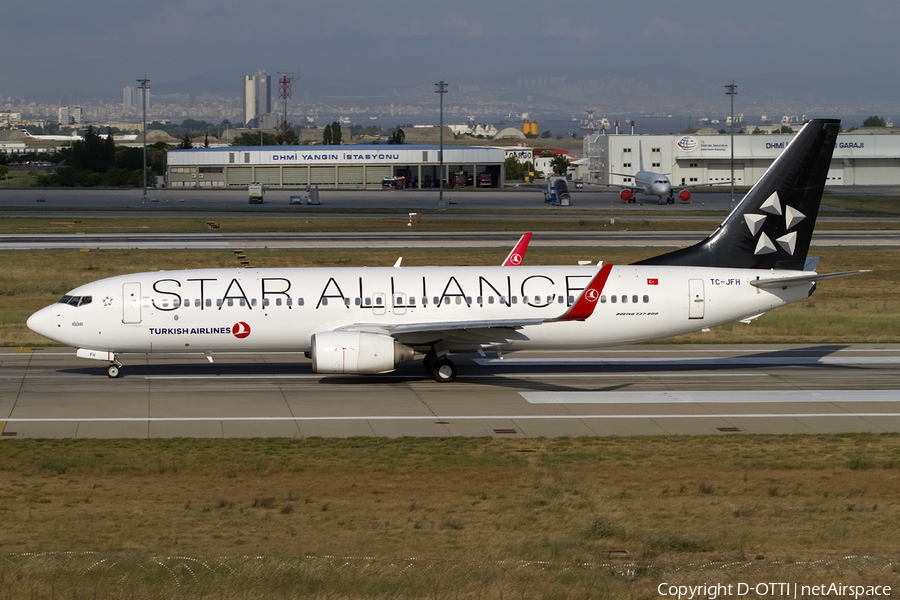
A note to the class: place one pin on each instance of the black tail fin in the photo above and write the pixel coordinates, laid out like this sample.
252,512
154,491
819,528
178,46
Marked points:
772,226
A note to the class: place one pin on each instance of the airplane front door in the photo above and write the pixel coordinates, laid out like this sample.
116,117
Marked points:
131,302
697,299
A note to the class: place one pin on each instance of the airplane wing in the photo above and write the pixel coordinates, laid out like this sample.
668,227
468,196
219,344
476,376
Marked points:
785,282
491,330
517,254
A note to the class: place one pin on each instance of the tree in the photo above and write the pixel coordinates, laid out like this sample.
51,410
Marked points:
186,143
513,167
206,141
336,133
397,138
785,129
547,154
874,121
326,136
559,164
251,138
547,135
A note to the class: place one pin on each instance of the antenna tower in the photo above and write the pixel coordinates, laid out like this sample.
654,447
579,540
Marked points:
285,83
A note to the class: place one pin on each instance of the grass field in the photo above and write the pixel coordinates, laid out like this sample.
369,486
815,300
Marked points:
854,309
463,518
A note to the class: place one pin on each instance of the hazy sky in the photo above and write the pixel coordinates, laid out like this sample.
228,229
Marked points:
86,47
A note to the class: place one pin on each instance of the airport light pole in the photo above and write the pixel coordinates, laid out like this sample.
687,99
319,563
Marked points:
145,88
441,90
732,91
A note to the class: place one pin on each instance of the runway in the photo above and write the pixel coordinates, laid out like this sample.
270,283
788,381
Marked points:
405,239
635,390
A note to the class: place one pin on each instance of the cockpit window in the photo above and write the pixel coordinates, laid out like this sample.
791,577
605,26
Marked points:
75,300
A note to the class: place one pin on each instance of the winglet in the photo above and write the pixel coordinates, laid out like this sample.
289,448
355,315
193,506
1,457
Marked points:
587,301
515,257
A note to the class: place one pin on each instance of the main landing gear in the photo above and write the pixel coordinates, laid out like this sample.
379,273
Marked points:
112,371
440,367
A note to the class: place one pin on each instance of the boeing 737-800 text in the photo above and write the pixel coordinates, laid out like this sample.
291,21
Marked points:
368,320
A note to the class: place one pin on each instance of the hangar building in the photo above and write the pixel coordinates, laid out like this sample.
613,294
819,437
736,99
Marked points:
329,167
866,158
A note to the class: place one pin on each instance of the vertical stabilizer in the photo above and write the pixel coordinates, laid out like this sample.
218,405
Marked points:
772,226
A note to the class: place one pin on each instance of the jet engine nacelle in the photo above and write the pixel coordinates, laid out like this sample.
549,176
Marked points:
357,352
626,195
684,195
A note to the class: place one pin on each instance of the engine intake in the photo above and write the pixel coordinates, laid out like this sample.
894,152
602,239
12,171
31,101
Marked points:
357,352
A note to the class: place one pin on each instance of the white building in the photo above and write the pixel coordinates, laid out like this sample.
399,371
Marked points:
69,115
328,167
257,98
866,158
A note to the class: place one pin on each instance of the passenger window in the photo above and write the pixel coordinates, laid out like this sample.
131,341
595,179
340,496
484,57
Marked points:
346,301
624,299
358,302
165,303
447,300
265,302
277,301
479,300
571,299
219,302
613,298
378,301
367,302
209,302
436,300
253,302
197,302
324,301
176,302
646,299
412,300
634,299
231,302
459,299
515,299
490,299
502,299
243,302
299,301
603,299
560,300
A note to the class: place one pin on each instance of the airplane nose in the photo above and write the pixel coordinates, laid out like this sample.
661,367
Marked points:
42,322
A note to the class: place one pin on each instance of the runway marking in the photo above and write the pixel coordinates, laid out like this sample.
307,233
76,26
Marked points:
710,397
447,418
698,361
656,374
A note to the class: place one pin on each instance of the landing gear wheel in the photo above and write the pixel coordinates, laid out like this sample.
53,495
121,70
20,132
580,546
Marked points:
444,370
112,371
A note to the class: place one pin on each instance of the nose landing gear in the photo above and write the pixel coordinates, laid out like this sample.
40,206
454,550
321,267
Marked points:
112,371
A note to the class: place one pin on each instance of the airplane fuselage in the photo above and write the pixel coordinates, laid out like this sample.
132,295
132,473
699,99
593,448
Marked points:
219,310
653,184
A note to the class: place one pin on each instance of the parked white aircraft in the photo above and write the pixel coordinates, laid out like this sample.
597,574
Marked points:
654,184
368,320
52,138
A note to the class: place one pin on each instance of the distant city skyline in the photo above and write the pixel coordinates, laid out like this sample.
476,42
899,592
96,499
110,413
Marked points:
73,52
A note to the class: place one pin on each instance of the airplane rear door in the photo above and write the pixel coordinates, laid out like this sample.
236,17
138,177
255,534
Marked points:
697,299
131,302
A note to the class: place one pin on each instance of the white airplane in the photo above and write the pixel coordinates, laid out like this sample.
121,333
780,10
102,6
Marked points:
368,320
52,138
654,184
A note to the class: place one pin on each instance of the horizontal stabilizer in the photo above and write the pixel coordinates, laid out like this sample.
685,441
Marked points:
785,282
